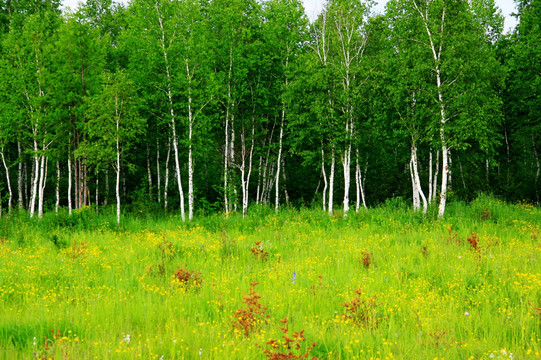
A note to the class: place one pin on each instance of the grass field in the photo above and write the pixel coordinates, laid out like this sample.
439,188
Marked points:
381,284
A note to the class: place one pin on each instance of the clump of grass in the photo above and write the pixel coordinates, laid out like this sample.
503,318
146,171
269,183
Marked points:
291,347
247,320
452,237
166,250
50,346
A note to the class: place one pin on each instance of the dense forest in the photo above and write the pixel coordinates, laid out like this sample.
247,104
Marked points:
197,106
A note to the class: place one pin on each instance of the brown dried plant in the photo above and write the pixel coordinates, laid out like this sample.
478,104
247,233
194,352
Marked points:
292,346
259,253
362,310
366,259
187,278
247,320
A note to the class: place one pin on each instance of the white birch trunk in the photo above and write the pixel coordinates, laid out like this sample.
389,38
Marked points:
436,53
331,182
245,176
347,167
190,146
149,174
69,184
416,200
325,182
172,113
158,175
416,180
117,186
359,184
166,184
6,168
57,189
436,173
430,176
35,178
259,177
20,177
279,162
42,183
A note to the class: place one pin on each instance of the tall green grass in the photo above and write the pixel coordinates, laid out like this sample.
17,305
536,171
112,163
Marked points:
79,287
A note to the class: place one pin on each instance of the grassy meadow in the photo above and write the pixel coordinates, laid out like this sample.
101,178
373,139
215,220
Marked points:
382,284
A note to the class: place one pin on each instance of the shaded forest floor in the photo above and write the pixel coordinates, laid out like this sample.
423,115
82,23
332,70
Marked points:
384,283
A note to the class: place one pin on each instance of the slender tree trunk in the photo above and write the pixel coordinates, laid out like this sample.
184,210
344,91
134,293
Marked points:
6,168
190,145
416,199
286,194
172,113
42,183
436,172
259,179
35,178
536,155
26,184
166,185
508,159
357,182
331,181
346,163
324,173
117,187
20,177
416,180
279,161
106,197
69,183
228,146
430,176
436,53
360,182
97,192
246,179
149,174
86,191
57,189
158,175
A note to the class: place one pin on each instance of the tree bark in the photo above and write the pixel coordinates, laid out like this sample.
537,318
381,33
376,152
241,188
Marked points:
172,113
69,184
20,177
418,191
166,180
6,168
331,181
57,188
149,174
158,175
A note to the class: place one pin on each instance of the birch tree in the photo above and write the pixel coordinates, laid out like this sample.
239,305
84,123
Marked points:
451,40
114,125
29,61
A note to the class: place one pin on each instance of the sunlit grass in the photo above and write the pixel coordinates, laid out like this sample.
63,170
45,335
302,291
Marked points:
81,288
